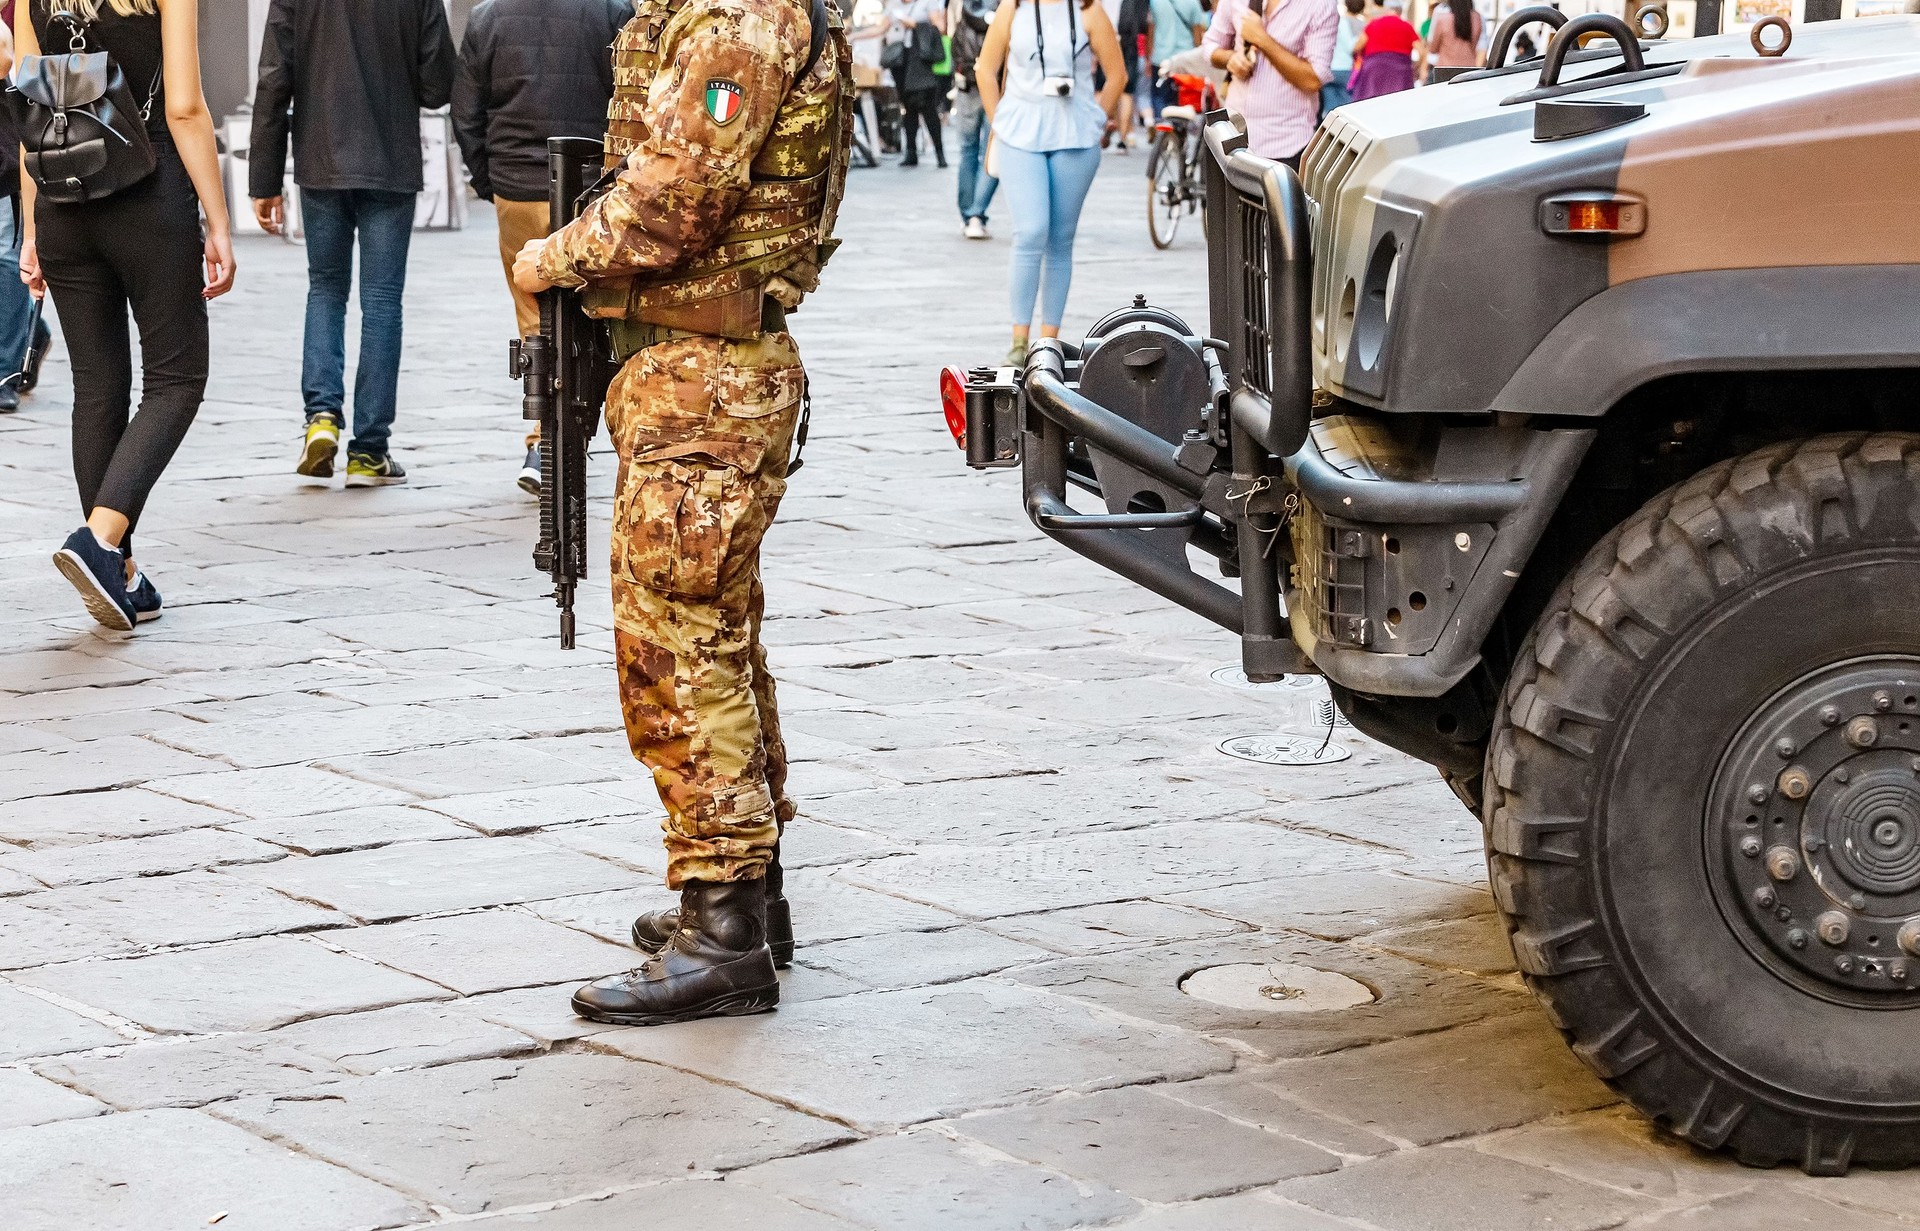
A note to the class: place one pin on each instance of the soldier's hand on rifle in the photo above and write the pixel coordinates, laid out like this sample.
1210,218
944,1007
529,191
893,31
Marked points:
526,269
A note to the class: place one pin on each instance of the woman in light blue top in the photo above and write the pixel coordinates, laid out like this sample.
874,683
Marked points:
1047,124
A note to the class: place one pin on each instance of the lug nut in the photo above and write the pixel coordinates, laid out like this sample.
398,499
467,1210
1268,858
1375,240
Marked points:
1882,702
1797,938
1758,793
1858,901
1833,927
1909,936
1794,782
1782,863
1750,845
1863,732
1897,971
1786,748
1764,898
1830,714
1843,964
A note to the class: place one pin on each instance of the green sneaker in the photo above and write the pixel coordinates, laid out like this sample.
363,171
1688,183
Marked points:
1017,355
323,440
366,470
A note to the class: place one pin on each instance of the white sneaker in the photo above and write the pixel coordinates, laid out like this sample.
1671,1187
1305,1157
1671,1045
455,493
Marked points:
977,228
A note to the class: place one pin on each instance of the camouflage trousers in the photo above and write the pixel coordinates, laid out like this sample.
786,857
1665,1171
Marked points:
703,427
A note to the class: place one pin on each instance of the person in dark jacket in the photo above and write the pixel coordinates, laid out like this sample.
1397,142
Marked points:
530,70
969,20
356,74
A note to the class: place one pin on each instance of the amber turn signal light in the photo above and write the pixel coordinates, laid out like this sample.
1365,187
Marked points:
1600,214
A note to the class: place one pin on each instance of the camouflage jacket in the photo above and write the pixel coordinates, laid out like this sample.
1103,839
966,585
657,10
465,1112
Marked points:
727,70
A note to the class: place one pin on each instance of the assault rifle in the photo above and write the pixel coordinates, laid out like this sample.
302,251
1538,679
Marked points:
565,370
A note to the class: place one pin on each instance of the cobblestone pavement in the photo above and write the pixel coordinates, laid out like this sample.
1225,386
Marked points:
294,882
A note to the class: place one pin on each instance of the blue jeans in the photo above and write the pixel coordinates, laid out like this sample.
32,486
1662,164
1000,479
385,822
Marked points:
970,124
1046,192
16,304
1334,93
384,222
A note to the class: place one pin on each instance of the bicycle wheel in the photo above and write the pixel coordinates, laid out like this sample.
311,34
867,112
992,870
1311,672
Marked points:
1165,188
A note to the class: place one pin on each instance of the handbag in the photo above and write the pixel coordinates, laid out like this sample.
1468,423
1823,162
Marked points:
83,135
893,56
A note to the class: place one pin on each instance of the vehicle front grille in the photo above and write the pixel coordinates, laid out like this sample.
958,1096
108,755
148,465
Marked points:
1256,335
1334,152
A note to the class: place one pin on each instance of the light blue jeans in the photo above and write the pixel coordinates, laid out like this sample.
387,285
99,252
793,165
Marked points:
1045,192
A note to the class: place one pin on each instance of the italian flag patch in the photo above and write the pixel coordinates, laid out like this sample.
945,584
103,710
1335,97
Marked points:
723,100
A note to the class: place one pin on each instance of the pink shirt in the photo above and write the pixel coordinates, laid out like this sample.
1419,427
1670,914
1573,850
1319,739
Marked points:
1280,115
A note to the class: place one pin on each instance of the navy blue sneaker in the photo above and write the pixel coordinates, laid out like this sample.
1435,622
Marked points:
143,598
100,574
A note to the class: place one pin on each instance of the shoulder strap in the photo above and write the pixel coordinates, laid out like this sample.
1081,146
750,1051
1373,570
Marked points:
818,19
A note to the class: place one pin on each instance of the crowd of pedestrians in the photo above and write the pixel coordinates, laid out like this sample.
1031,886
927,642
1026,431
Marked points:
1033,91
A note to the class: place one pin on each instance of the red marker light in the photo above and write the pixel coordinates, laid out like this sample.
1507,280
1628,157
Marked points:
953,403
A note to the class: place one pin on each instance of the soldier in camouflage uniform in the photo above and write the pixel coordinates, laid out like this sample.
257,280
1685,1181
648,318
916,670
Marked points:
731,120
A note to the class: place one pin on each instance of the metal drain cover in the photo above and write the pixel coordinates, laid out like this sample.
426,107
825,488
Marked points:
1276,987
1234,677
1285,749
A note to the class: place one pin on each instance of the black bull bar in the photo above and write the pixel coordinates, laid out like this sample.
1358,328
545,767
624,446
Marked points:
1228,466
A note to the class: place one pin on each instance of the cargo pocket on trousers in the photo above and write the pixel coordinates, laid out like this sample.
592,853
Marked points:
677,523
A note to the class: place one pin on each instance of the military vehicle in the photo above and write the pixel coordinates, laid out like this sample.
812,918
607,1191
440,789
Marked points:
1566,418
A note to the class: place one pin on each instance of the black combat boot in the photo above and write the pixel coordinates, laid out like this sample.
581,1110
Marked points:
715,965
652,931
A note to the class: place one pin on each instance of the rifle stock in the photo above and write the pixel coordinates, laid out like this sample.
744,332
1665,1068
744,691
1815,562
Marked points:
564,371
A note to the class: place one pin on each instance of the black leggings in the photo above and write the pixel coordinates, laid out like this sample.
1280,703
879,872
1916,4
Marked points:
138,249
922,105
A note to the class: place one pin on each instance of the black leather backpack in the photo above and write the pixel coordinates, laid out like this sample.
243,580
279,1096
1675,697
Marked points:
83,134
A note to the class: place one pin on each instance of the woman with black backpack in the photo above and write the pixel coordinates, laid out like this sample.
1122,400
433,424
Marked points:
119,233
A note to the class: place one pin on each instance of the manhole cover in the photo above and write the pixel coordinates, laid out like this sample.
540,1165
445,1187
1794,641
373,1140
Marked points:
1285,749
1277,987
1234,677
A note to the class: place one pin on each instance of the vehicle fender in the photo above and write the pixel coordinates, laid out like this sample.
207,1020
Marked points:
1831,316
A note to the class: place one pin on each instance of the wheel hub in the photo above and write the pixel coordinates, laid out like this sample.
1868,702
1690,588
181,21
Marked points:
1817,812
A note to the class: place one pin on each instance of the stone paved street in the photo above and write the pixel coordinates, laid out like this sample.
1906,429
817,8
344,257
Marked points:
294,883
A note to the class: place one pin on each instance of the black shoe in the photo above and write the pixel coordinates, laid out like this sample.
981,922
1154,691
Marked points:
9,400
143,598
716,965
529,479
100,574
651,932
909,162
37,348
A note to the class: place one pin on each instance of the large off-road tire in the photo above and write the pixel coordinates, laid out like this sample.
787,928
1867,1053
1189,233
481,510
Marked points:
1703,806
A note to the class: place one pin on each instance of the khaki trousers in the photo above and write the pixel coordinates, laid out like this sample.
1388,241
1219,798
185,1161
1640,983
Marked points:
521,222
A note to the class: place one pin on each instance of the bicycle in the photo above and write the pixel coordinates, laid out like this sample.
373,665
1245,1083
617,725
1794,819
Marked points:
1173,168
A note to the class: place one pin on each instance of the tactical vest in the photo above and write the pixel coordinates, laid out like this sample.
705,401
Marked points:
782,235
